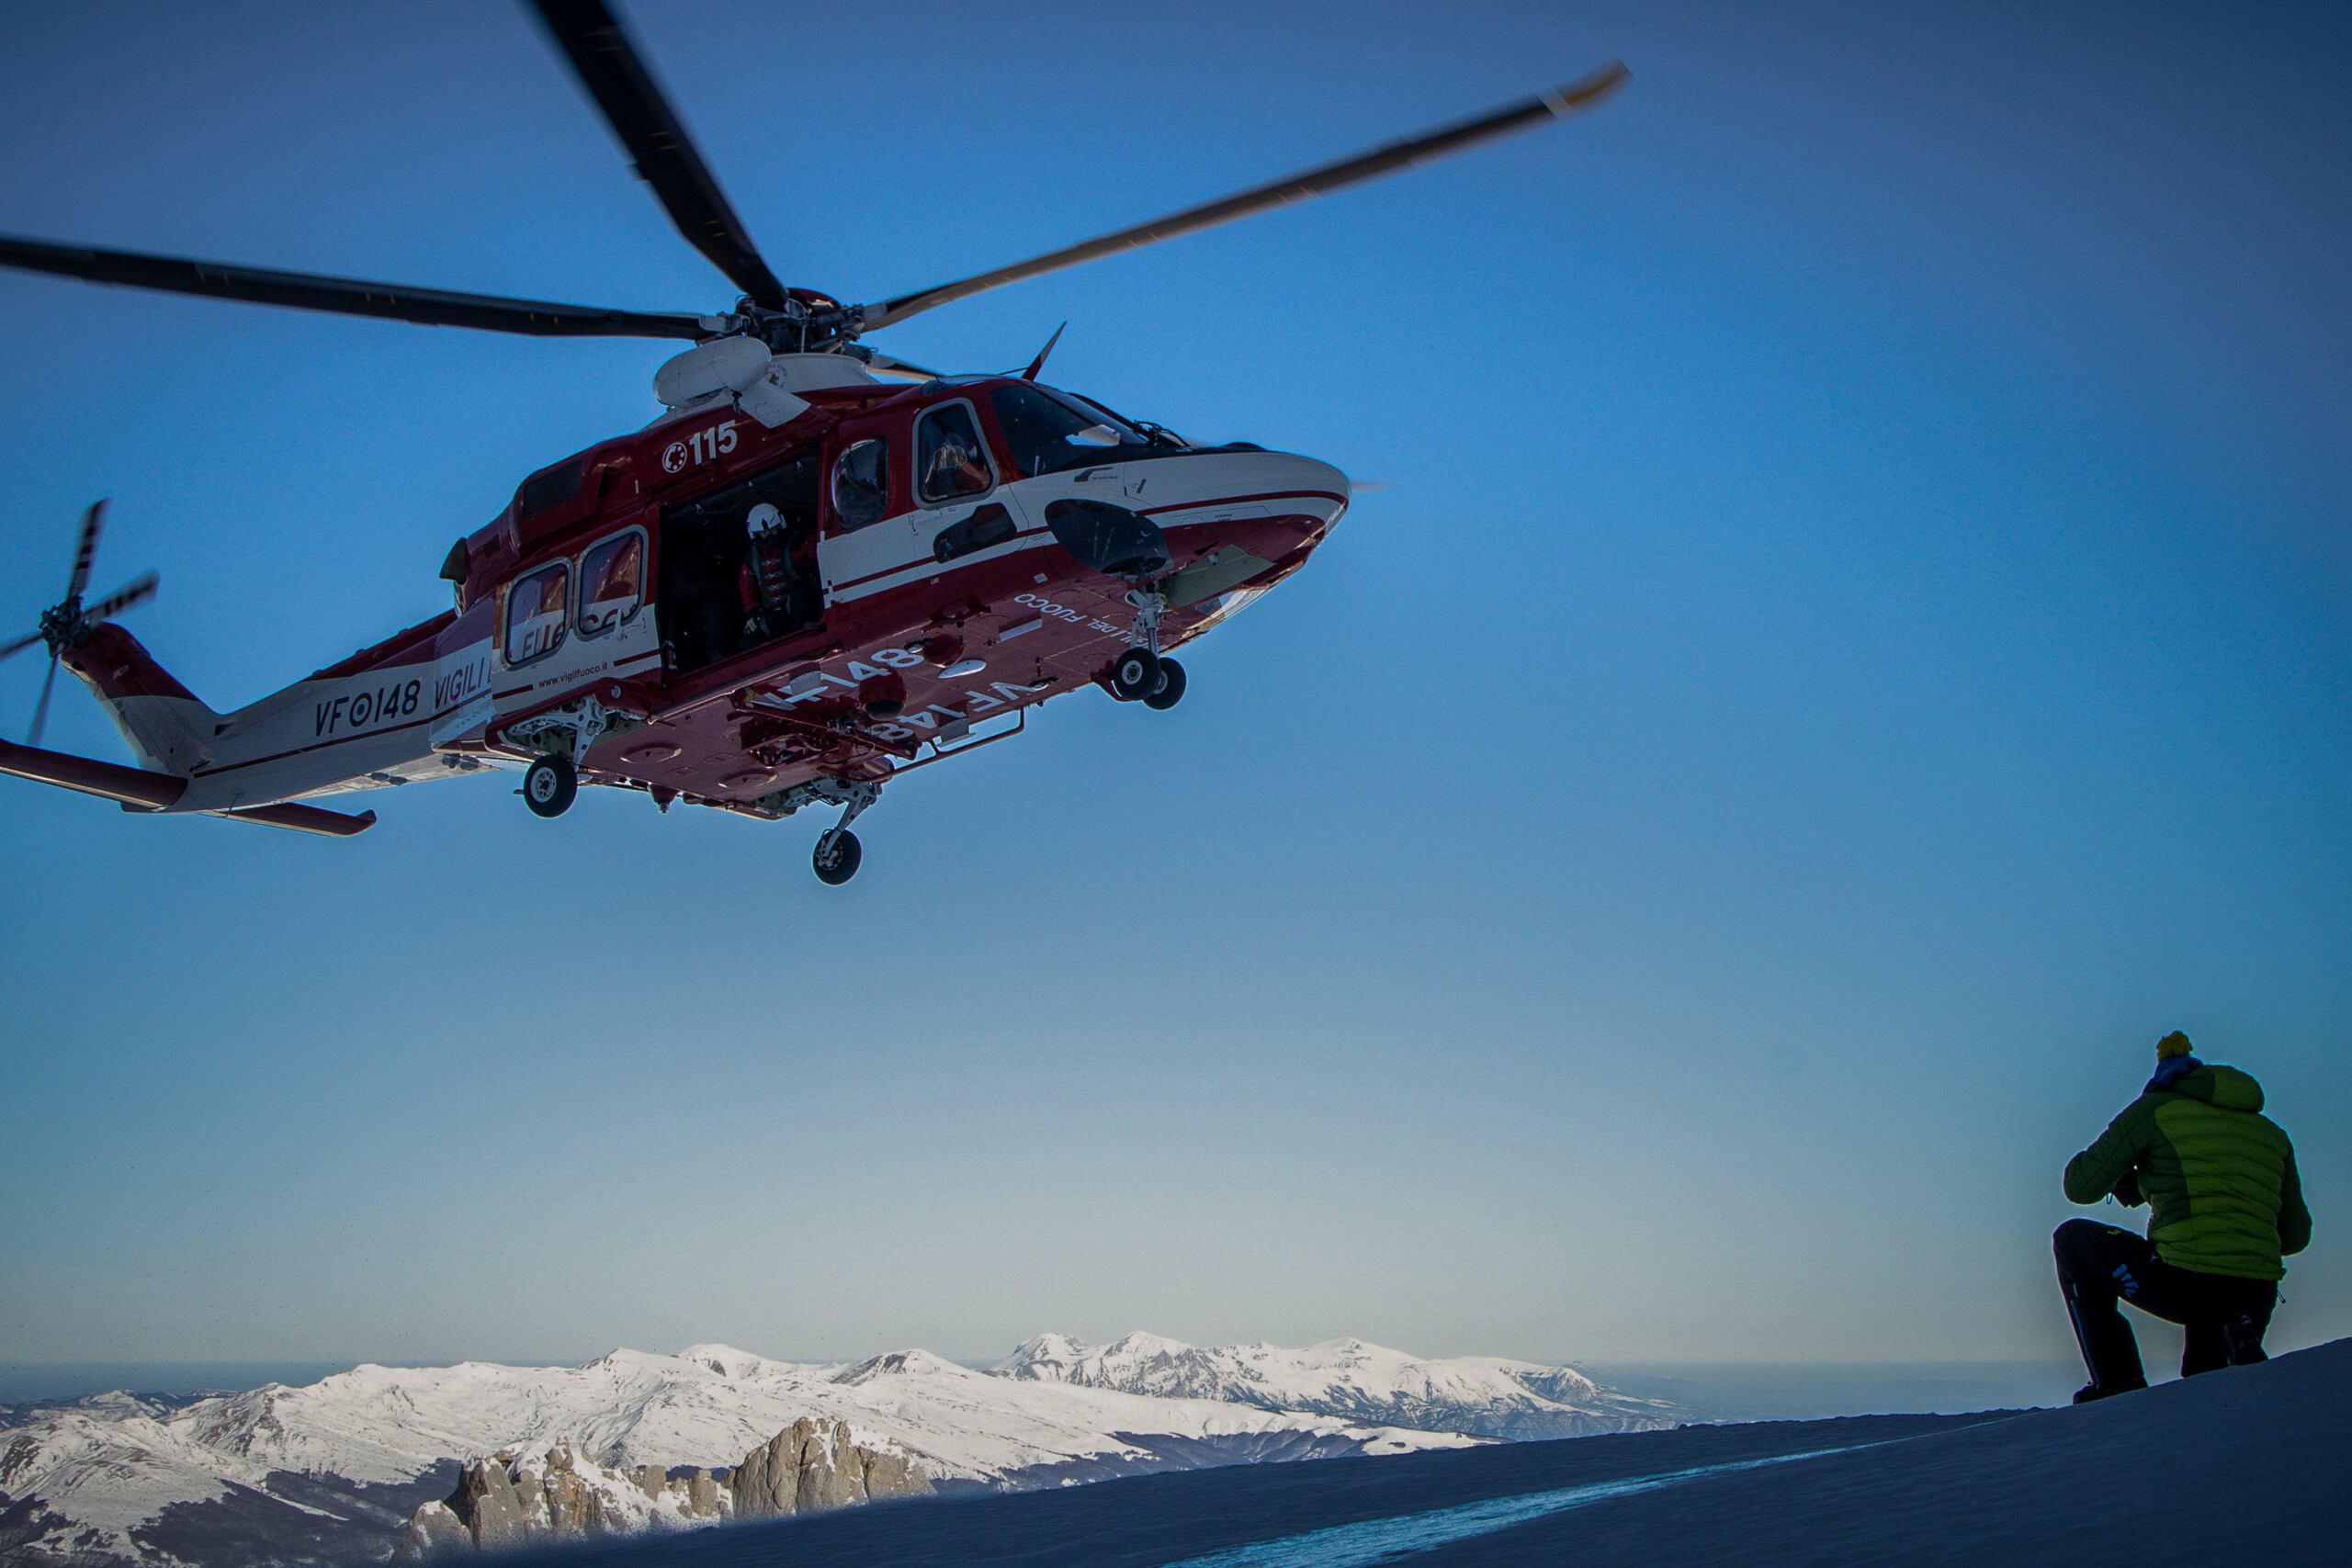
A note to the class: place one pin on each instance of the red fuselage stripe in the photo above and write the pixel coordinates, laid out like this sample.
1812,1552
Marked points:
1242,500
632,658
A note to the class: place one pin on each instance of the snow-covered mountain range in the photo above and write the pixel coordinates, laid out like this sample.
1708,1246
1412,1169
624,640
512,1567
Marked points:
1480,1395
283,1473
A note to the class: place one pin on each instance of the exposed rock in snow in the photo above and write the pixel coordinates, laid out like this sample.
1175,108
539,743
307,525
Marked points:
522,1496
1482,1395
432,1530
815,1464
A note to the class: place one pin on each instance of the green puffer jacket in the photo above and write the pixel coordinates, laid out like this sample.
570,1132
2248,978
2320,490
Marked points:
2219,1175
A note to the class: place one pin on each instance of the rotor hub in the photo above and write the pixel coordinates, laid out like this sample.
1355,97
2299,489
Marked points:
63,625
807,322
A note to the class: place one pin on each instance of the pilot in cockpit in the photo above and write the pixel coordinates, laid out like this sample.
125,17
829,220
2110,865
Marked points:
955,467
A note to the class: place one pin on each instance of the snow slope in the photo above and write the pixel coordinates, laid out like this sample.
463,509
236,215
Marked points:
1483,1395
110,1471
2242,1467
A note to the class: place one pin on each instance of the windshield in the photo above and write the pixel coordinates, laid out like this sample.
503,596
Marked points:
1157,434
1038,425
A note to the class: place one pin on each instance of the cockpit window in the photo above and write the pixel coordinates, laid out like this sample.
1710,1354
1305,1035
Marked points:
950,462
862,484
1039,427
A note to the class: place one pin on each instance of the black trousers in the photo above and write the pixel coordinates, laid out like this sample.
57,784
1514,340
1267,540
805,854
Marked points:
2099,1266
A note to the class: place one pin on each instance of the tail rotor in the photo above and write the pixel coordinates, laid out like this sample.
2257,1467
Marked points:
69,621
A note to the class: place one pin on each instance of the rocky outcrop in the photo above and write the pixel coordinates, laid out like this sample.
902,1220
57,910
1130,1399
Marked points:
435,1528
814,1464
520,1496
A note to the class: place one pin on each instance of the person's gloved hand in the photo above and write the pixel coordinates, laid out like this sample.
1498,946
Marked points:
2127,1192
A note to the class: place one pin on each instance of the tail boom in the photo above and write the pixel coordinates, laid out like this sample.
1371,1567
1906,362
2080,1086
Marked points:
379,718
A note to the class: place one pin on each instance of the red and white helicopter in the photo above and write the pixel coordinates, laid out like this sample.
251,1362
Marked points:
800,581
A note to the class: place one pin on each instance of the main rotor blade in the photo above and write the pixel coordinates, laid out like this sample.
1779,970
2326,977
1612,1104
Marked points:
10,649
345,296
87,550
41,714
1558,104
138,591
610,67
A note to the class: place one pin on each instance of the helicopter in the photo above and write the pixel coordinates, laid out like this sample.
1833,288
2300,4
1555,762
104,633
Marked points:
819,568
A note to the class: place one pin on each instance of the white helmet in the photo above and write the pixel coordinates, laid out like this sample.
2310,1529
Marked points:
763,517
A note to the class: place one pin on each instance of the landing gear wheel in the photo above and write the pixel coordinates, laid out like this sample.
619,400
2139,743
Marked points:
1137,674
548,785
1170,690
837,856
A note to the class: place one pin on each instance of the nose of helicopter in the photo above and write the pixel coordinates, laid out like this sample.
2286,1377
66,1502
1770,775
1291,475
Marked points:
1240,486
1323,487
1295,486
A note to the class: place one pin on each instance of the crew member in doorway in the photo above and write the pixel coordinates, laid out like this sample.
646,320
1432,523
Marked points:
2226,1206
771,578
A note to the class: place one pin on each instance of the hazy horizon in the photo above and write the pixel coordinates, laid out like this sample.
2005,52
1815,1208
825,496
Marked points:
1709,1390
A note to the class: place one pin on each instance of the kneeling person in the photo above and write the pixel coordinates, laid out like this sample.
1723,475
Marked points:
2226,1205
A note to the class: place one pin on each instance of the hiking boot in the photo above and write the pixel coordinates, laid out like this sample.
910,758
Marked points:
2243,1336
2091,1391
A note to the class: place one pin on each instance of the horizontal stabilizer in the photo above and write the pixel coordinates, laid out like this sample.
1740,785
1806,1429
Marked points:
305,819
135,787
139,790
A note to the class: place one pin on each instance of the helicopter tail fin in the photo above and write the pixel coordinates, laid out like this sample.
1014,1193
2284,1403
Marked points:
169,730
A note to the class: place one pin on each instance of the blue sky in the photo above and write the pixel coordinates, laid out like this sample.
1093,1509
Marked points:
1852,646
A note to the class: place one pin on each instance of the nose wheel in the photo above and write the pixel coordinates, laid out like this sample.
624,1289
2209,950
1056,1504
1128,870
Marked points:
1142,676
1136,675
1169,689
549,784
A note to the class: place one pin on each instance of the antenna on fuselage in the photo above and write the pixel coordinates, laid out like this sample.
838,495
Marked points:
1038,364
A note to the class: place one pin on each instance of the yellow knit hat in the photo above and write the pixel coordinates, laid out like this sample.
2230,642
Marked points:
2171,1045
